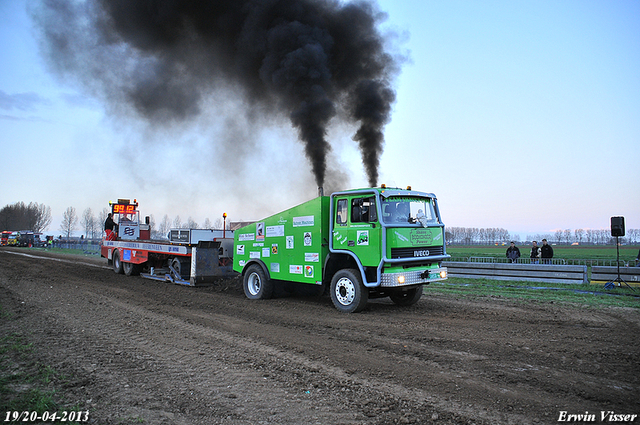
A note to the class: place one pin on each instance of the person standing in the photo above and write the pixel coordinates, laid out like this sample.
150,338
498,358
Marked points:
108,227
513,253
546,252
535,253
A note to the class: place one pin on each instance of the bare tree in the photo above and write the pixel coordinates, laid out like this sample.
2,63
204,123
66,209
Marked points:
207,224
165,225
177,222
96,228
152,226
69,221
42,216
558,235
589,235
191,223
87,221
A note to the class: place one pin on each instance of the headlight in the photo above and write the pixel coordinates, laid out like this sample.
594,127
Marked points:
401,279
443,274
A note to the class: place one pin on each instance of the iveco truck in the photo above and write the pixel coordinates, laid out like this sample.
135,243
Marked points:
357,244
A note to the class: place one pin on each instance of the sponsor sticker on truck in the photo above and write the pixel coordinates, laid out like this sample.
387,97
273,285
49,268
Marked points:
305,221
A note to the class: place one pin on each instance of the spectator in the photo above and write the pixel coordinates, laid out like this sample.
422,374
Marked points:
108,227
546,252
513,253
535,253
638,259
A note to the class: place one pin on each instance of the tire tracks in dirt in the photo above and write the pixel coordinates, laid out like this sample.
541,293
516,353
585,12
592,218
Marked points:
206,355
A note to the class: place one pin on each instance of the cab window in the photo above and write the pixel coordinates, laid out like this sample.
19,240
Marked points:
342,213
363,210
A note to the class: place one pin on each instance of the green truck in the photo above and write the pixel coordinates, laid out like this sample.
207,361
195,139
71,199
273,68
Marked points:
359,244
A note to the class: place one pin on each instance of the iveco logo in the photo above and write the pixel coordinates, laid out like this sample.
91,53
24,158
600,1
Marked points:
423,253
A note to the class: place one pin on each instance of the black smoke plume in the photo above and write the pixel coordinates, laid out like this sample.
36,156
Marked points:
312,60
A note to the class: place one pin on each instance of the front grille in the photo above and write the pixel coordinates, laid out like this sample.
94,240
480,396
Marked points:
417,251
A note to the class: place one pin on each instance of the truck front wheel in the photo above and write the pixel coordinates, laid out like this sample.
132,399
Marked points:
257,286
348,293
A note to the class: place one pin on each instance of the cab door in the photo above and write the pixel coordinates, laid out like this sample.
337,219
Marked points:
363,230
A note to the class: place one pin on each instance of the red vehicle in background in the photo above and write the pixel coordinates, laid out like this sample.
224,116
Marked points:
4,239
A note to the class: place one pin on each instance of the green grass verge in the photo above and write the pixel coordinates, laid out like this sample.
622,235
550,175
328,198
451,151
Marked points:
568,252
26,385
572,295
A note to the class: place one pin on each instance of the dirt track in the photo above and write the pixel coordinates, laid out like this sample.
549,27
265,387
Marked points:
140,349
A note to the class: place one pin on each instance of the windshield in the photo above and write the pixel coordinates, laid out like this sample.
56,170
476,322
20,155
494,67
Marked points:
402,209
130,219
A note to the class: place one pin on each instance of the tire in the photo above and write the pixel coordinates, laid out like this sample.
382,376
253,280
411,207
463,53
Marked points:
348,293
117,264
256,284
131,269
182,267
408,297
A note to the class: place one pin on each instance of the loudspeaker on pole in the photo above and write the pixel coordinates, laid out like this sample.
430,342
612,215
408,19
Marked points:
617,226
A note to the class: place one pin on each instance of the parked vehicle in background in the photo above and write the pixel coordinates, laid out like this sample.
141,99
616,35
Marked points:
13,239
39,240
26,238
4,238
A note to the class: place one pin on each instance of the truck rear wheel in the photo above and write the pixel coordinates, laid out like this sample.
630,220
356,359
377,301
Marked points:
131,269
408,297
348,293
257,286
117,264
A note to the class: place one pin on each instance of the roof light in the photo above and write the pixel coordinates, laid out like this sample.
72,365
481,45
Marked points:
384,186
408,187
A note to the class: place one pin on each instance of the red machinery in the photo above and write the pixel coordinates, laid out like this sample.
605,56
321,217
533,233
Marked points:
187,256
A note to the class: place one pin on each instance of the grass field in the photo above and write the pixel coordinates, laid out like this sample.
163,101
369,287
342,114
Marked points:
570,295
628,253
522,291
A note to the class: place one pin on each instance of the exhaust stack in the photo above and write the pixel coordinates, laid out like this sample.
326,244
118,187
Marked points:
320,191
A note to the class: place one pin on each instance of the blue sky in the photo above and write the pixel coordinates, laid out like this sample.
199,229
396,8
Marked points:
519,115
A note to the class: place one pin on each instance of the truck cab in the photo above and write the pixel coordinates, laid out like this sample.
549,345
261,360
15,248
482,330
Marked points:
392,238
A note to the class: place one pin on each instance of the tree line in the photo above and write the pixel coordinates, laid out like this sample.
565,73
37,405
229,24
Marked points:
92,225
20,216
37,217
481,236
